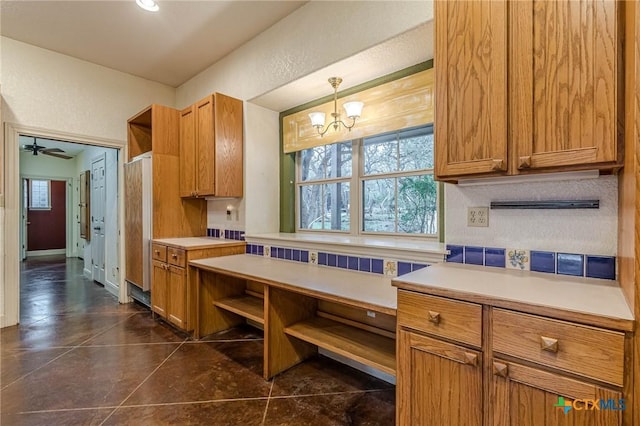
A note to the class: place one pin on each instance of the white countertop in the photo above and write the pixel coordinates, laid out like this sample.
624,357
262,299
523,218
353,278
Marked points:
195,242
528,291
363,288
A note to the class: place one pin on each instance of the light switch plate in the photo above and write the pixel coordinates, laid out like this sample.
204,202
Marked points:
478,216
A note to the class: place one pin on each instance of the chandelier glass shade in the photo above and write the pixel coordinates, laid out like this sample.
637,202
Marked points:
352,109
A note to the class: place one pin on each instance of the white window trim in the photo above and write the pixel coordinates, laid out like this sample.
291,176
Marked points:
356,194
31,207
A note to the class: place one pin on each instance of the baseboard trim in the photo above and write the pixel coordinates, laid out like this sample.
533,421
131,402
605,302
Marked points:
112,288
35,253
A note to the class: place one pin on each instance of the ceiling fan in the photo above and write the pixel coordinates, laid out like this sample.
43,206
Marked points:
54,152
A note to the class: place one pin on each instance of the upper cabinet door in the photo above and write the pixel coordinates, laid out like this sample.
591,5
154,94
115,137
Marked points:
471,88
229,139
563,84
206,146
188,159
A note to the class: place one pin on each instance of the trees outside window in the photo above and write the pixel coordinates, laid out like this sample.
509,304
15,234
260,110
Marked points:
392,174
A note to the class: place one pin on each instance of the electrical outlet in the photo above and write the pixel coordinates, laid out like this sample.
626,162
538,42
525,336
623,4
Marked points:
478,216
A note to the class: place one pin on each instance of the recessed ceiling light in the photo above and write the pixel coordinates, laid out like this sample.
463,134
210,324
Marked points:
149,5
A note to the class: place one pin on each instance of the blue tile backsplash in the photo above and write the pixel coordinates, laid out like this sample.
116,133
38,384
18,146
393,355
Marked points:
229,234
601,266
354,263
543,261
571,264
474,255
494,257
576,264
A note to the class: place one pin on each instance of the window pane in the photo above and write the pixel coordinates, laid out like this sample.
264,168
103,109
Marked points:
40,194
311,206
380,154
313,163
325,206
417,202
339,160
379,205
416,150
327,161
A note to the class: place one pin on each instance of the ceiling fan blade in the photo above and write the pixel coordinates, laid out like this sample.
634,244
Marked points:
53,154
51,150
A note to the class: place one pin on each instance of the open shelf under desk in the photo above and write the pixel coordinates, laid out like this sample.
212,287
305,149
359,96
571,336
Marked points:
250,307
359,345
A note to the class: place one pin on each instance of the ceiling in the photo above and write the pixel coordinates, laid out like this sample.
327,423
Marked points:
121,36
407,49
70,149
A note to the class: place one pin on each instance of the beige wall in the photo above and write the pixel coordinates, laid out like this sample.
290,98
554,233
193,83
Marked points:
47,90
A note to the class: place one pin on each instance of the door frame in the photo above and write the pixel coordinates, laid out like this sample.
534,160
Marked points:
70,249
97,158
10,232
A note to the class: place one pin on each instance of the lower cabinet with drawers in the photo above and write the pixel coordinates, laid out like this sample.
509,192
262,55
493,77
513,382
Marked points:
464,363
173,292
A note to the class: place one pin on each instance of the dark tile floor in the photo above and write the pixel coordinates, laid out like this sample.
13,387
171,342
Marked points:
80,358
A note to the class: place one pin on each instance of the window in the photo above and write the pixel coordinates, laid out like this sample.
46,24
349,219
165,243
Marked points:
39,194
323,193
392,174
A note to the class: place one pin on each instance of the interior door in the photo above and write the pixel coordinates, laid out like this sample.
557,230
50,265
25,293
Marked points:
98,201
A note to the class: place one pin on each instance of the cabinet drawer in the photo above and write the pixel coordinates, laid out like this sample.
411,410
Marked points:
587,351
451,319
176,257
159,252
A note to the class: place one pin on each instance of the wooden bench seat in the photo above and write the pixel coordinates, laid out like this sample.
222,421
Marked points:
302,307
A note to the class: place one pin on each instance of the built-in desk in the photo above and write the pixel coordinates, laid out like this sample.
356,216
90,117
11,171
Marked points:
301,306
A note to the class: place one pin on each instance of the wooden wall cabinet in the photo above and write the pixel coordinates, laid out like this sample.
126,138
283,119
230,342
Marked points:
211,154
156,130
526,87
173,286
513,374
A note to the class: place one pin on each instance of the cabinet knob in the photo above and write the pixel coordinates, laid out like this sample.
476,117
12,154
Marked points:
498,164
549,344
174,256
434,317
471,358
156,251
500,369
524,162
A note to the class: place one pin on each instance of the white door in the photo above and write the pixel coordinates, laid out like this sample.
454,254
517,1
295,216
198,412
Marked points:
98,201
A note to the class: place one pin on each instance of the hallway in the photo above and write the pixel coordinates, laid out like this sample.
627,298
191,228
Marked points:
80,358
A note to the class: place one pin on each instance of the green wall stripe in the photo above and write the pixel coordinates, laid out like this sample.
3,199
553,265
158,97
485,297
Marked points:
287,161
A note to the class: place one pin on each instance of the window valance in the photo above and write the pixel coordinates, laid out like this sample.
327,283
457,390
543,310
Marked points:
399,104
